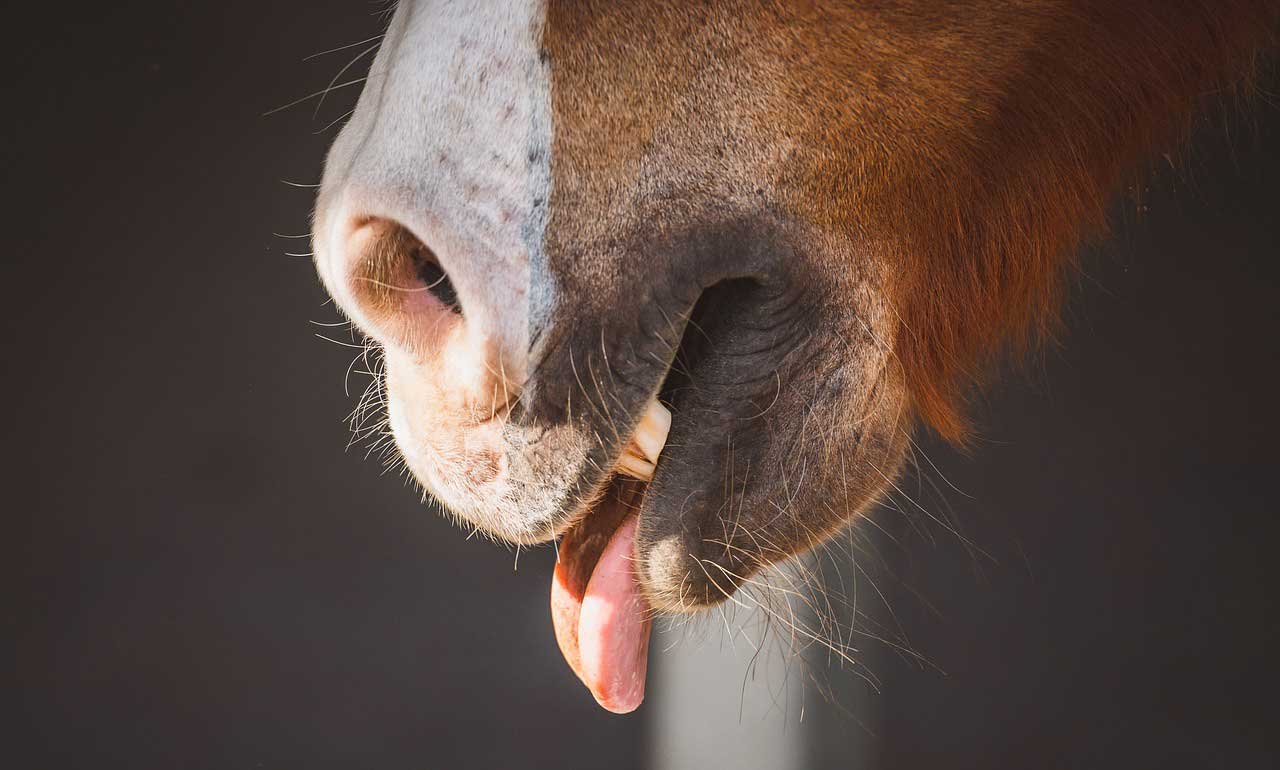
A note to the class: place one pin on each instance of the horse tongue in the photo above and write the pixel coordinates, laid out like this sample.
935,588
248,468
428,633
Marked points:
601,620
613,629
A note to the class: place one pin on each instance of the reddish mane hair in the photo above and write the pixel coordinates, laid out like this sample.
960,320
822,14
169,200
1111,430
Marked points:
992,223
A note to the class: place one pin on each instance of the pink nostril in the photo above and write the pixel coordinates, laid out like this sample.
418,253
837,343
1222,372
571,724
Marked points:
400,289
440,360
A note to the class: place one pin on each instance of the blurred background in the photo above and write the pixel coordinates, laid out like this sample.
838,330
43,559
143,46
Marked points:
205,577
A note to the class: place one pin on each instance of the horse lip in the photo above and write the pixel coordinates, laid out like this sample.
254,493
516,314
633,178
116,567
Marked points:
655,424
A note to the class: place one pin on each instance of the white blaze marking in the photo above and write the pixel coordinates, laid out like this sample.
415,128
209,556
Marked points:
452,139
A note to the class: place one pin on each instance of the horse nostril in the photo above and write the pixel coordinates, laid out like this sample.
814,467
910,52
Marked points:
399,287
434,278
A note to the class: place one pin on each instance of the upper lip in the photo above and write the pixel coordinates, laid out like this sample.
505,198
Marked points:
615,472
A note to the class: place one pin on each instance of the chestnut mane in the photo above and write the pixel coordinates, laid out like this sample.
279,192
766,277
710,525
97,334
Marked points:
988,225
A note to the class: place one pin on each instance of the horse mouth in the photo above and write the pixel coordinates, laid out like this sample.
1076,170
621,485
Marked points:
602,620
600,611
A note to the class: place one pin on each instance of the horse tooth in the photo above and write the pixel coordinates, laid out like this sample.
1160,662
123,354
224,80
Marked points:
630,464
651,433
641,454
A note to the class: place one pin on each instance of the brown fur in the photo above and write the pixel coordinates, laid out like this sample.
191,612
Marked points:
971,145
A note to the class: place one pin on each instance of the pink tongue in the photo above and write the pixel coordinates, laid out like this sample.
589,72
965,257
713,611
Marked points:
603,629
613,630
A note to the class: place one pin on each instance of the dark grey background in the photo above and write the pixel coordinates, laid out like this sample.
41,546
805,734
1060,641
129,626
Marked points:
203,578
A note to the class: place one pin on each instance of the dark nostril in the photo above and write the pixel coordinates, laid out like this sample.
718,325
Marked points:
397,279
435,279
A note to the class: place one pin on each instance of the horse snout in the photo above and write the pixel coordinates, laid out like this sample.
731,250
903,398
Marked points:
450,348
450,321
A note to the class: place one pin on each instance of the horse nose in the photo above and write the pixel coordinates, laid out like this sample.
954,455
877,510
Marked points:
398,291
431,214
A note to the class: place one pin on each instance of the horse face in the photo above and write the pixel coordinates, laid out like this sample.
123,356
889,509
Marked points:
799,226
549,218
